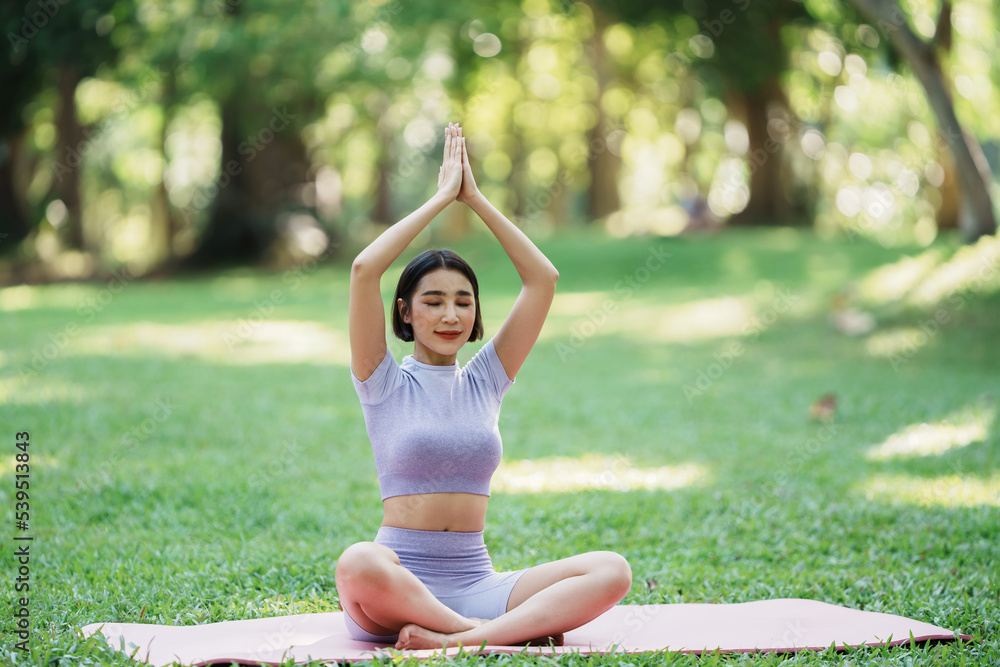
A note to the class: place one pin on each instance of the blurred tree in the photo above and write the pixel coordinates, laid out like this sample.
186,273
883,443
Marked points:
386,76
602,195
737,46
21,78
972,169
156,43
949,212
255,61
54,45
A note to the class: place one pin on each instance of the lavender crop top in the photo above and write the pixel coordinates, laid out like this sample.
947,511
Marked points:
434,429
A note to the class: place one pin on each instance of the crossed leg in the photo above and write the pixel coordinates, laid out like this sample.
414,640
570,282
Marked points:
384,598
547,600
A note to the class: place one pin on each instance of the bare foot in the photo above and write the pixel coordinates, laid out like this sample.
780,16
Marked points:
413,637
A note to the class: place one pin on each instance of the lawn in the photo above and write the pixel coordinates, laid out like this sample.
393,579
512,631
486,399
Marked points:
198,454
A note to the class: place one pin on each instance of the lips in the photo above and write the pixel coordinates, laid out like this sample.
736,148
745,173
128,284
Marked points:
448,335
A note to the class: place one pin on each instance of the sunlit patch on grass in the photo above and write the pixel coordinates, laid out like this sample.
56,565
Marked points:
935,438
946,491
19,297
590,472
928,279
36,461
602,314
892,342
974,268
27,297
575,303
244,342
35,391
630,312
695,320
891,282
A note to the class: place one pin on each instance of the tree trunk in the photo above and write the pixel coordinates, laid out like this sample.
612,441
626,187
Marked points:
236,233
951,197
70,151
972,169
768,203
602,195
382,207
14,226
163,219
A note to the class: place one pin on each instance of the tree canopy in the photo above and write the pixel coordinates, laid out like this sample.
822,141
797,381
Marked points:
154,133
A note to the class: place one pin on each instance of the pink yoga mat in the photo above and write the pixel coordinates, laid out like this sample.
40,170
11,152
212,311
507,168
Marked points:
785,625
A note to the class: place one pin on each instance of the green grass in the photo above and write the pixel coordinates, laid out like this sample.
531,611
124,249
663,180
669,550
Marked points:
198,452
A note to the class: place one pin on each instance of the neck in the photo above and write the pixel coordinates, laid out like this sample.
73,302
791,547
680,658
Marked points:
427,356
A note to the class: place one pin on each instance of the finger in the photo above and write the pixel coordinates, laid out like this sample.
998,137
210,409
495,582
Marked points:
447,142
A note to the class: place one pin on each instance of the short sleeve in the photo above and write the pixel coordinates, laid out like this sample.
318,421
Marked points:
386,377
486,366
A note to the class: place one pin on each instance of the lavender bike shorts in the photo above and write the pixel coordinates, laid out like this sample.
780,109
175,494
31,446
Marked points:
455,567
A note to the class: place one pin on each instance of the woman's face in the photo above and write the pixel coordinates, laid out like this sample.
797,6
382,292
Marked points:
442,313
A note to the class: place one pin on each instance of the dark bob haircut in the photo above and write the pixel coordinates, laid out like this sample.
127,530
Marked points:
421,265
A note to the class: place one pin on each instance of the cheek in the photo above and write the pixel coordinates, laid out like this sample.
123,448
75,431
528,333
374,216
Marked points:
420,316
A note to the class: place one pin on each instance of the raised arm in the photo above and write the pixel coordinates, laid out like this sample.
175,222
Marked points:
520,330
366,312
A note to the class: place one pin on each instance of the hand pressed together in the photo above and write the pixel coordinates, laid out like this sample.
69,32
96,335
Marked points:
455,179
450,175
469,188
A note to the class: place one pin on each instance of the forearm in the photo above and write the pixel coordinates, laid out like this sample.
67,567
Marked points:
530,263
391,243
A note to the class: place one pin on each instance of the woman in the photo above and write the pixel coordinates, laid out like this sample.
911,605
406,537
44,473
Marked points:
427,580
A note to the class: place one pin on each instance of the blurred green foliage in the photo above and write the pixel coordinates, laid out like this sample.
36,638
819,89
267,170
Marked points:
269,130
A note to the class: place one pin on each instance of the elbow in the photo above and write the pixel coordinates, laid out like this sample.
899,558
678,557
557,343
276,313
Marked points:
363,272
548,280
543,281
359,267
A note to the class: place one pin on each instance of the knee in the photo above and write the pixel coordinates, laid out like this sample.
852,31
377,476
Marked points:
617,573
361,564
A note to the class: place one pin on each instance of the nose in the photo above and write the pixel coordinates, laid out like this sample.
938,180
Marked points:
450,313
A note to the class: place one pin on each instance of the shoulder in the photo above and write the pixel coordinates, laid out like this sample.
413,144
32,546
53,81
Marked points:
386,377
485,365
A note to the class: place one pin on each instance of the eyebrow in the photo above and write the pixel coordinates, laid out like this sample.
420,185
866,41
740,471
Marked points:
437,292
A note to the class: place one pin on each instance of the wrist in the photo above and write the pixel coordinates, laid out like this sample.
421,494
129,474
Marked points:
474,200
441,199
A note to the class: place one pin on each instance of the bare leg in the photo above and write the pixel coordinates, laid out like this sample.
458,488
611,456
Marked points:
382,596
547,601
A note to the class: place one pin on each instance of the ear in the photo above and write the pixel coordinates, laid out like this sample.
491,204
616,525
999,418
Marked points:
403,310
